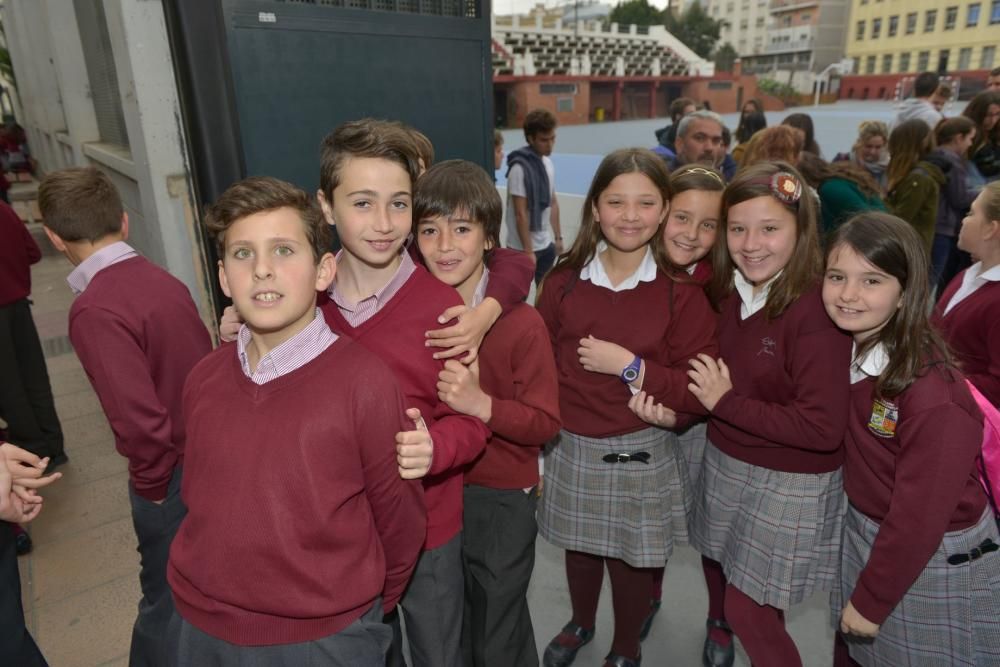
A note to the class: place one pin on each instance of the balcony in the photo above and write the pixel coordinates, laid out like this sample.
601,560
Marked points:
790,40
776,6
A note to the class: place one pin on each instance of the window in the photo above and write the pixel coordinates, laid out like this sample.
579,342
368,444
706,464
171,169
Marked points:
972,17
911,23
943,57
930,18
964,58
564,104
989,52
743,24
923,59
904,62
787,21
876,28
893,25
950,17
760,21
887,63
870,65
995,12
859,34
805,18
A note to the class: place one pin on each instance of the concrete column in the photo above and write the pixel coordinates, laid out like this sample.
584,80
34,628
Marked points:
153,119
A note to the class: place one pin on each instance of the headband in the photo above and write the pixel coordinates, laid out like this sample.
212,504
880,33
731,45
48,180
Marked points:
784,187
706,172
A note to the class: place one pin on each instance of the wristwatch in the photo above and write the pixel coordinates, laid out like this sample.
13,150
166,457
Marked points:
631,372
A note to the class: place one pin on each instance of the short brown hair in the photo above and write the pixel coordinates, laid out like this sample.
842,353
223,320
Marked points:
366,138
459,186
80,204
780,142
539,120
678,106
950,128
259,194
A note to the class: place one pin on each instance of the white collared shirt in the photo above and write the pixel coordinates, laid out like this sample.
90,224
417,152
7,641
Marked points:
81,276
594,271
871,366
751,303
971,281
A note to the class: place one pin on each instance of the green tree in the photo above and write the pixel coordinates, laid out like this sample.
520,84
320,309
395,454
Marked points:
725,57
639,12
695,28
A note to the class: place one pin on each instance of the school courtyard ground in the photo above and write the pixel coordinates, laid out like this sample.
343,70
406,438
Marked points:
80,584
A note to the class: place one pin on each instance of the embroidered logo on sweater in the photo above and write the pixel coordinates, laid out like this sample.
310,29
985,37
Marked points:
884,417
767,346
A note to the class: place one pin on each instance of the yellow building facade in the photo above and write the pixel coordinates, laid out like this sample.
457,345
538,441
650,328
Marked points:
911,36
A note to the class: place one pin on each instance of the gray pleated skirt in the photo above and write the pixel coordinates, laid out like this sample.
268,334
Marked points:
632,511
776,534
951,614
691,443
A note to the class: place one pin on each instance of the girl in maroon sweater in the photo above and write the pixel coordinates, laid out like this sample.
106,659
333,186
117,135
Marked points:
920,582
614,493
968,313
689,234
769,501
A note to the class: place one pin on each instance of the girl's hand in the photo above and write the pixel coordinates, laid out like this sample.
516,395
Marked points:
853,623
600,356
710,380
465,336
650,412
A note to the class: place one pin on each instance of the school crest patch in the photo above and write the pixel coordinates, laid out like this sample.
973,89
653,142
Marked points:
885,414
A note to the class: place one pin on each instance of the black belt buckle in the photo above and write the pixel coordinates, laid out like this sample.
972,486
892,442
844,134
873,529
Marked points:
641,457
987,546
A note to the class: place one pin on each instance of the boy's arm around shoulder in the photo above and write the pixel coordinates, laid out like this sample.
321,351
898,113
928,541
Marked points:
531,418
511,273
113,358
397,505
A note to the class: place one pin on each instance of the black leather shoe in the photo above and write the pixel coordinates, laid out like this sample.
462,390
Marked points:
715,654
615,660
22,544
557,655
647,625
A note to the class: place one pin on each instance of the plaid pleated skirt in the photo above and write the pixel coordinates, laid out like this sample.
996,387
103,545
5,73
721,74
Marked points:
629,511
776,534
692,448
951,614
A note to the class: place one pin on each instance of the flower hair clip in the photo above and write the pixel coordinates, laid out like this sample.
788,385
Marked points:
786,188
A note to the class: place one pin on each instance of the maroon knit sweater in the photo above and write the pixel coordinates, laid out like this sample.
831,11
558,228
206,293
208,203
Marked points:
297,516
18,251
972,329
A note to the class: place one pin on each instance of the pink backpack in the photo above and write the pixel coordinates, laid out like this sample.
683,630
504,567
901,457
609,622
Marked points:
989,461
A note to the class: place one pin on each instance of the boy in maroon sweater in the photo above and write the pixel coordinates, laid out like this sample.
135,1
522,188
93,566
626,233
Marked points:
300,528
513,388
137,334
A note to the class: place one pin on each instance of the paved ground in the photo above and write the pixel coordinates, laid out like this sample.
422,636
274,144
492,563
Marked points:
81,584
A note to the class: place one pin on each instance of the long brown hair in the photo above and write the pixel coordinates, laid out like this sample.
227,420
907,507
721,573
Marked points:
780,142
911,343
817,171
909,143
622,161
805,267
976,111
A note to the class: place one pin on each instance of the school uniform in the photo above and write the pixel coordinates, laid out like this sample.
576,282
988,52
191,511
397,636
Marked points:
915,504
391,324
630,511
968,317
769,504
300,531
517,371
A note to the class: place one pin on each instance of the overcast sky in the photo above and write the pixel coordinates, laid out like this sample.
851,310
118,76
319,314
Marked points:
523,6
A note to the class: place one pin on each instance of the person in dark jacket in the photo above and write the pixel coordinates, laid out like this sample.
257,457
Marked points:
954,136
682,106
984,111
914,182
844,189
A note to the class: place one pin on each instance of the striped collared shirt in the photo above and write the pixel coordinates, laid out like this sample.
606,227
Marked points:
357,314
294,353
81,276
480,293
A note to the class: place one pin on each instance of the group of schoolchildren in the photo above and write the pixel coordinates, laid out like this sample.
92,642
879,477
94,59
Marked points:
703,369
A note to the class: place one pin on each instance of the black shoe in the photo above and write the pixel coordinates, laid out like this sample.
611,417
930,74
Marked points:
715,654
557,655
55,462
22,544
647,625
615,660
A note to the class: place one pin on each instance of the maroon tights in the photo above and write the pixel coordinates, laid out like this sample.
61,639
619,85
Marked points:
630,587
761,629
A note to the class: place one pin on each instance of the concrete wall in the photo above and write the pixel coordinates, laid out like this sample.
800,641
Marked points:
152,172
527,95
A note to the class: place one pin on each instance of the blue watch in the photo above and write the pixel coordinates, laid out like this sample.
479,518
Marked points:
631,372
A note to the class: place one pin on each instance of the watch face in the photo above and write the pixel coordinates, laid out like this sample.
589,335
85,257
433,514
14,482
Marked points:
630,374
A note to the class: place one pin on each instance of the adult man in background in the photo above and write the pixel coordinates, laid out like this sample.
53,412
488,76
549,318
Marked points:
920,105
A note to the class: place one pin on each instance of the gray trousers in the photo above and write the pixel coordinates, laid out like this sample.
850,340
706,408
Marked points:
432,610
361,644
155,527
498,555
